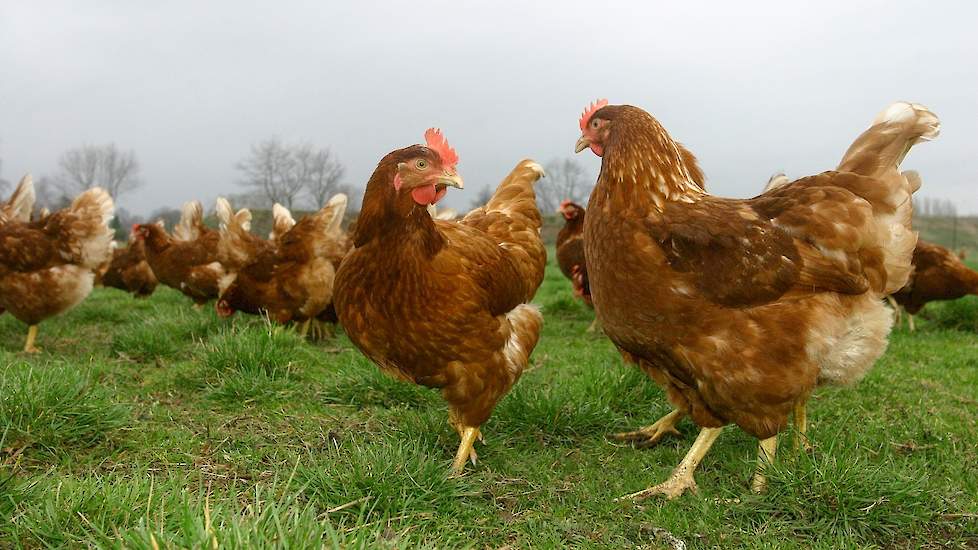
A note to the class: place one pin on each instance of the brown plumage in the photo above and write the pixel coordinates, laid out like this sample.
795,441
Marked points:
47,266
570,249
129,270
444,303
290,278
739,308
188,263
939,274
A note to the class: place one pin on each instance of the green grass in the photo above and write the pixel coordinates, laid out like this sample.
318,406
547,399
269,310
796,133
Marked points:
146,423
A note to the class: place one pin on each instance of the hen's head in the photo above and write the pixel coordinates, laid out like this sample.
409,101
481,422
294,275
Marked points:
570,210
147,232
594,128
426,172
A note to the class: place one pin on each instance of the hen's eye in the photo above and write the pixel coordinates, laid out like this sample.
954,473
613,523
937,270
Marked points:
421,164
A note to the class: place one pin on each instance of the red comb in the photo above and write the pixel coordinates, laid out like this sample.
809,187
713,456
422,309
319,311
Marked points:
586,115
437,143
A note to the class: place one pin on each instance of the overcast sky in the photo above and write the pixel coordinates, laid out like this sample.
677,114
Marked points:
751,87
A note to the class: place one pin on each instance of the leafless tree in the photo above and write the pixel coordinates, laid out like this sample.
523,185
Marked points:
283,173
105,166
566,179
322,171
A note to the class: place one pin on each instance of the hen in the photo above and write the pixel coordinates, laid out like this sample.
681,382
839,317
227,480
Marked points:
290,278
129,270
570,249
939,274
739,308
47,266
187,260
444,303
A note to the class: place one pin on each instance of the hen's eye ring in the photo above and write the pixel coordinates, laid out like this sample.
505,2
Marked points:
421,164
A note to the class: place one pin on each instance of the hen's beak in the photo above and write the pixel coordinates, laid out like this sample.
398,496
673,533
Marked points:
582,144
451,180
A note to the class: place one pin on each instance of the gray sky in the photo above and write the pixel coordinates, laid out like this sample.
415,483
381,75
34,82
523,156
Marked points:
750,87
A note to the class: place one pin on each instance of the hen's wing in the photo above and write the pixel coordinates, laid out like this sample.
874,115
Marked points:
740,254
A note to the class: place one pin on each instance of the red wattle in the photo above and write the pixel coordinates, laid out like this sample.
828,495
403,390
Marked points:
427,195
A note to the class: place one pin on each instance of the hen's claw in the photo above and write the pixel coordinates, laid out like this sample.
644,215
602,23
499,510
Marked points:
671,488
651,435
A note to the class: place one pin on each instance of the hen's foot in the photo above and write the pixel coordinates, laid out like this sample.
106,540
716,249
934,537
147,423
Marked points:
651,435
681,479
466,450
595,326
671,488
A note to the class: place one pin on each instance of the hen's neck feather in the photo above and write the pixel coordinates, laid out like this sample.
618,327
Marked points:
644,166
389,217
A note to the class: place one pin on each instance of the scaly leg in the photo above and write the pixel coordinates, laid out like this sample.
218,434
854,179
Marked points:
766,450
29,346
652,434
466,449
682,477
801,426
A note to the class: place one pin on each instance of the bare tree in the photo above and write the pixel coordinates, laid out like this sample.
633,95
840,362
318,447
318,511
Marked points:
323,172
566,179
104,166
283,173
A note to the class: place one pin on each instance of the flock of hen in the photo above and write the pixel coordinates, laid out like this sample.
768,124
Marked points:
737,308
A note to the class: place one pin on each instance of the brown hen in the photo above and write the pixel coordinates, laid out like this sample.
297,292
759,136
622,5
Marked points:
739,308
444,303
188,260
290,278
129,270
939,274
47,266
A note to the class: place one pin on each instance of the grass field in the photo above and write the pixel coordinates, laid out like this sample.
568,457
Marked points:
146,424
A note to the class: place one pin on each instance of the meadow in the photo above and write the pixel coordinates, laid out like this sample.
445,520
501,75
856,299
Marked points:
147,424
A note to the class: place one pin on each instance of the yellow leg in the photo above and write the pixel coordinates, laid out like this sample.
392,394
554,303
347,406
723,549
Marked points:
681,479
766,450
652,434
595,326
910,321
466,449
801,426
29,346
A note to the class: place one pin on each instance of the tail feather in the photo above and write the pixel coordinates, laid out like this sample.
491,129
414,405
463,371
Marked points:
235,249
512,219
21,203
878,153
191,222
776,181
525,324
282,222
337,205
223,211
86,238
